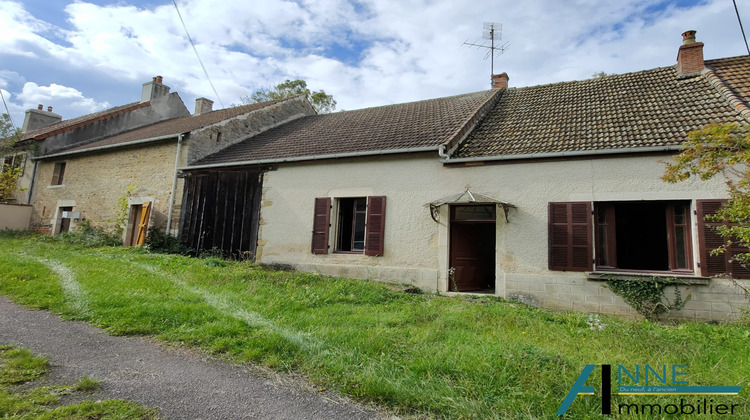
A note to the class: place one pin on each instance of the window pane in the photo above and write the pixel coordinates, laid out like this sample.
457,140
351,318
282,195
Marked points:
680,252
679,215
346,213
361,204
359,232
474,213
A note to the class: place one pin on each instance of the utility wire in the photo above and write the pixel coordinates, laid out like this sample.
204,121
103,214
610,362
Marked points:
196,53
744,38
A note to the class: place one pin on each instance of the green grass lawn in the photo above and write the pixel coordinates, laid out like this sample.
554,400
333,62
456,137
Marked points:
419,354
19,366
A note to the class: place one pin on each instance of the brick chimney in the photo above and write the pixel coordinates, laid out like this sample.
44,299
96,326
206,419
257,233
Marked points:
38,118
690,55
500,81
203,105
154,89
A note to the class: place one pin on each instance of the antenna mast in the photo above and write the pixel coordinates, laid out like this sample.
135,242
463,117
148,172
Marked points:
492,31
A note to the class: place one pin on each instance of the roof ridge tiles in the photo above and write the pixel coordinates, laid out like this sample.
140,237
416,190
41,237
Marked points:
726,92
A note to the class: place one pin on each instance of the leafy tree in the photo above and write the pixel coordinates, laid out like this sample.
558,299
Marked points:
8,174
724,150
321,102
8,135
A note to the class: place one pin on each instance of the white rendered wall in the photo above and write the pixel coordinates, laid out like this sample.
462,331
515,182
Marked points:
416,248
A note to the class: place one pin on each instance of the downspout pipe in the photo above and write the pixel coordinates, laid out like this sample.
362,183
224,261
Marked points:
33,181
174,184
441,152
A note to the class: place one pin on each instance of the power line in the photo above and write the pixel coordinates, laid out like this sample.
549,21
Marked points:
7,111
196,54
744,38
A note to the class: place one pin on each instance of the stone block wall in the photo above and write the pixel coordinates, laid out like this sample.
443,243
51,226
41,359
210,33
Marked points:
95,183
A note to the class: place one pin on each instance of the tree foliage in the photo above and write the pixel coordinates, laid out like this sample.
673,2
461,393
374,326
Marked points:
723,150
321,102
8,174
8,135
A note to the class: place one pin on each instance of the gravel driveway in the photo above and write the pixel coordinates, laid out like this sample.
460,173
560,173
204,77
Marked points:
183,384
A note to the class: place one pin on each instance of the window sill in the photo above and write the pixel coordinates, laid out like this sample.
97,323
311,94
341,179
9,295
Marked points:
681,278
350,252
52,187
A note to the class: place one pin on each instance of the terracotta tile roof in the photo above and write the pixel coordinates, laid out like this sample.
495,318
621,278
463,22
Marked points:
735,72
73,123
642,109
171,127
427,123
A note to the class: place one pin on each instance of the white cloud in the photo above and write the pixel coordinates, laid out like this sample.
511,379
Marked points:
408,49
68,98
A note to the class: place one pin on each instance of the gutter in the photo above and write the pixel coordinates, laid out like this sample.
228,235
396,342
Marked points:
174,183
315,157
107,147
548,155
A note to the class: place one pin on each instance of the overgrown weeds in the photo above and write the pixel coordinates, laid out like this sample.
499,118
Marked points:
90,236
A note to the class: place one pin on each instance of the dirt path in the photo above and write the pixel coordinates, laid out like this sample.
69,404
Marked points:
183,384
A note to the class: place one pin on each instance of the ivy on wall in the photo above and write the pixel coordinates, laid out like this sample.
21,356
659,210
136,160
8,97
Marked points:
646,295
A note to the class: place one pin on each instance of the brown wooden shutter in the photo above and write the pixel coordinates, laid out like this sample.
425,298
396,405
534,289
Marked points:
375,229
321,225
709,239
570,239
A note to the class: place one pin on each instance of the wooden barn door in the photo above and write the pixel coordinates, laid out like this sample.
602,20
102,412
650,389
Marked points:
220,211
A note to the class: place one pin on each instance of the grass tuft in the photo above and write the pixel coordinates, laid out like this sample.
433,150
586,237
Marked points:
20,366
87,384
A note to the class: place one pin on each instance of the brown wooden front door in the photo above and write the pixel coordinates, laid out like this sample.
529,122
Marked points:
472,248
65,221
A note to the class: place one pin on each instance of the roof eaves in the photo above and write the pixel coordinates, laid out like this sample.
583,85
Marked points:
46,132
311,158
107,147
566,154
463,131
726,93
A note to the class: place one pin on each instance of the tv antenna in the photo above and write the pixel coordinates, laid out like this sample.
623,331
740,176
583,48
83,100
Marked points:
494,32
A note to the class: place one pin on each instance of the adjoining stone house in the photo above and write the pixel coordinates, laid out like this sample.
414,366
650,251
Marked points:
125,176
534,193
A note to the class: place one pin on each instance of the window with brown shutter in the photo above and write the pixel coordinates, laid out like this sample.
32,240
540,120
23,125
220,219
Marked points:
645,236
359,225
709,239
570,242
321,225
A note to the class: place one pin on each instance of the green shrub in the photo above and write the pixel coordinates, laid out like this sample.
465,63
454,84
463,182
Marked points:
159,242
90,236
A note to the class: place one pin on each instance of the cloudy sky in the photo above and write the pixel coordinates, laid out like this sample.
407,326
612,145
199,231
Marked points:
84,56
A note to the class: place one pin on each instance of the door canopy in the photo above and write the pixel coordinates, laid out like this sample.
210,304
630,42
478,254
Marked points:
466,197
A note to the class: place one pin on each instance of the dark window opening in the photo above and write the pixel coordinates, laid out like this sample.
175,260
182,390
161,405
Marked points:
351,224
14,162
650,236
58,173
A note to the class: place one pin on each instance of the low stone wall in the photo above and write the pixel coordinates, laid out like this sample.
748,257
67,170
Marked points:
15,216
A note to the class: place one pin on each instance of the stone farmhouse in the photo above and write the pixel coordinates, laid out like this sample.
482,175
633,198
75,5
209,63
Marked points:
537,193
118,167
